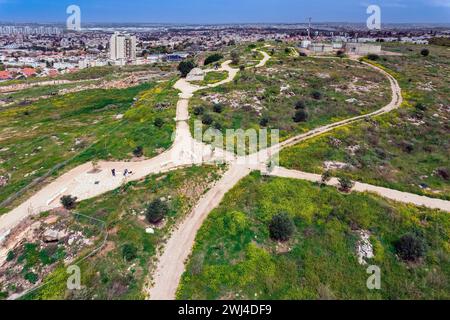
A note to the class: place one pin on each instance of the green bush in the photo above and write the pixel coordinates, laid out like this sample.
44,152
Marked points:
301,116
68,202
156,211
158,122
199,110
317,95
138,152
281,227
129,252
213,58
425,52
31,277
410,247
207,119
373,57
185,67
300,105
346,184
218,108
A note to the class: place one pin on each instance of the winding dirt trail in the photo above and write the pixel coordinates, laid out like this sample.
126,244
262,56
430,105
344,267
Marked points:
185,151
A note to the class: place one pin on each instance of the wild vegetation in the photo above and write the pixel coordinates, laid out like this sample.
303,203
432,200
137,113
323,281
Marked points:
327,90
80,127
407,149
235,256
122,266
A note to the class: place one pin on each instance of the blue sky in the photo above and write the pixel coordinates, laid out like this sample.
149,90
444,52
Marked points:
224,11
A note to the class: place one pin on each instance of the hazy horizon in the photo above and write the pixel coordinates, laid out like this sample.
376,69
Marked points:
225,11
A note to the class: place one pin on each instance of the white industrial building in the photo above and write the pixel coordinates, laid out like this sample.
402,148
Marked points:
362,49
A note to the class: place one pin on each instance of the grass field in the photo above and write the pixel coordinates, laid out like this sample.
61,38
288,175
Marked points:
79,127
406,149
329,89
212,77
107,275
234,257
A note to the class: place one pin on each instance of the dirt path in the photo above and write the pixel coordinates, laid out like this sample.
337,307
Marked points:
185,151
171,264
395,195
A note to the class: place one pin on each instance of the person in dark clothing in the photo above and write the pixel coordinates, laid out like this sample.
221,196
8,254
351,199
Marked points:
113,171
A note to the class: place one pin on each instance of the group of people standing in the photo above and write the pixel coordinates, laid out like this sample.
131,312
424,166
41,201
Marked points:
126,172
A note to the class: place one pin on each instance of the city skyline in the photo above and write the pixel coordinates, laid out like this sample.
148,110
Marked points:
225,11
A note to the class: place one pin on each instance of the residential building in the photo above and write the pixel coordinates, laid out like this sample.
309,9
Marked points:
123,48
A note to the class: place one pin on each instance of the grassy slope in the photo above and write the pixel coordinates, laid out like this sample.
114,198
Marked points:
383,159
261,88
39,136
107,275
234,257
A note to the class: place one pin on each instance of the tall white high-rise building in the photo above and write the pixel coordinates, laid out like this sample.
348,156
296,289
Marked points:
122,48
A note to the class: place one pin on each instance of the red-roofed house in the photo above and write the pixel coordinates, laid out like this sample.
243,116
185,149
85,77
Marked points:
53,73
5,75
28,72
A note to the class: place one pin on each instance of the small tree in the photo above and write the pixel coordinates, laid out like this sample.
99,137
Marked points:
138,152
326,177
410,247
68,202
301,116
235,57
264,121
373,57
340,53
158,122
129,252
185,67
281,227
218,108
199,110
213,58
156,211
207,119
346,184
425,52
300,105
317,95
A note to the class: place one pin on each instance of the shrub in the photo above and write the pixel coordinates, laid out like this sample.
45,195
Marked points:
11,255
340,53
300,105
410,247
68,202
281,227
421,107
326,176
185,67
317,95
218,108
373,57
425,52
443,173
199,110
156,211
235,57
138,152
303,54
158,122
301,116
129,252
346,184
207,119
213,58
264,121
31,277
